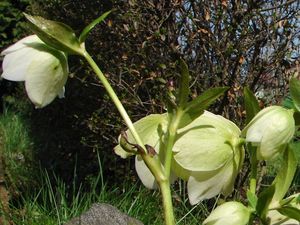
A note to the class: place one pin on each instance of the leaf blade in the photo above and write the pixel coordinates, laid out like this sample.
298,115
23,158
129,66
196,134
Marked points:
295,92
184,89
197,106
89,27
251,104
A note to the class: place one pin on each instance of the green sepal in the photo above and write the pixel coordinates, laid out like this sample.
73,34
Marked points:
197,106
55,34
252,199
251,104
290,212
184,89
286,201
263,202
286,173
295,92
89,27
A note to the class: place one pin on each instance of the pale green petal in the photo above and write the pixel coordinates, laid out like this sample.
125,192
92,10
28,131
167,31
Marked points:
260,118
202,151
46,76
121,152
149,129
205,185
179,171
144,173
206,143
229,213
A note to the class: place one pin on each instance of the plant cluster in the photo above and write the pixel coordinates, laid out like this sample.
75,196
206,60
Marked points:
186,142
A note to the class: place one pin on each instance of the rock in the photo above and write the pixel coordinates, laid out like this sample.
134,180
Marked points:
103,214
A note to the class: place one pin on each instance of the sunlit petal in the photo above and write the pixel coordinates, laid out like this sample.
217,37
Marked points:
45,78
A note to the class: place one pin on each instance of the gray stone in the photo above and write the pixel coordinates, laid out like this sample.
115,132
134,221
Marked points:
103,214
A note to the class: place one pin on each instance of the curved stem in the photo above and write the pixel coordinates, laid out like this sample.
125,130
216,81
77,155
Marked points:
114,98
153,164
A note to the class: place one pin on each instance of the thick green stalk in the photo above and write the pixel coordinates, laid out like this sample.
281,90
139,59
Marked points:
153,164
171,137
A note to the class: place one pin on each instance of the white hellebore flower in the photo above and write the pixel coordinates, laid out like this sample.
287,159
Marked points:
229,213
210,153
270,130
44,69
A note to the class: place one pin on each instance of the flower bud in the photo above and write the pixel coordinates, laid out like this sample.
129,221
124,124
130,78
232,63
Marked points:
229,213
270,130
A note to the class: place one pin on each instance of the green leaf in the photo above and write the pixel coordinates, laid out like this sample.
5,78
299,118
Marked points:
286,173
251,104
295,92
290,212
197,106
288,103
89,27
55,34
252,199
263,202
184,89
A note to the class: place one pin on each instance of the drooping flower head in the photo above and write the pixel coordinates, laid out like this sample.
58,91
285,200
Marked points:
44,69
270,130
210,151
207,153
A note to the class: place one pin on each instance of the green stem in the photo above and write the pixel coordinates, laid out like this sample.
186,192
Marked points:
253,175
114,98
153,164
171,137
167,202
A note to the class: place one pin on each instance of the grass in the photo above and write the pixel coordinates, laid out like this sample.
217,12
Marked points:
43,198
53,203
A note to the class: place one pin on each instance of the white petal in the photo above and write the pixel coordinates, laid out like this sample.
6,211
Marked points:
205,185
45,78
16,63
144,173
202,151
21,44
61,94
202,185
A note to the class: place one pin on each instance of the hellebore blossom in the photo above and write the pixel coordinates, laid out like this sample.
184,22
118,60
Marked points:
44,69
270,130
210,151
207,153
229,213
